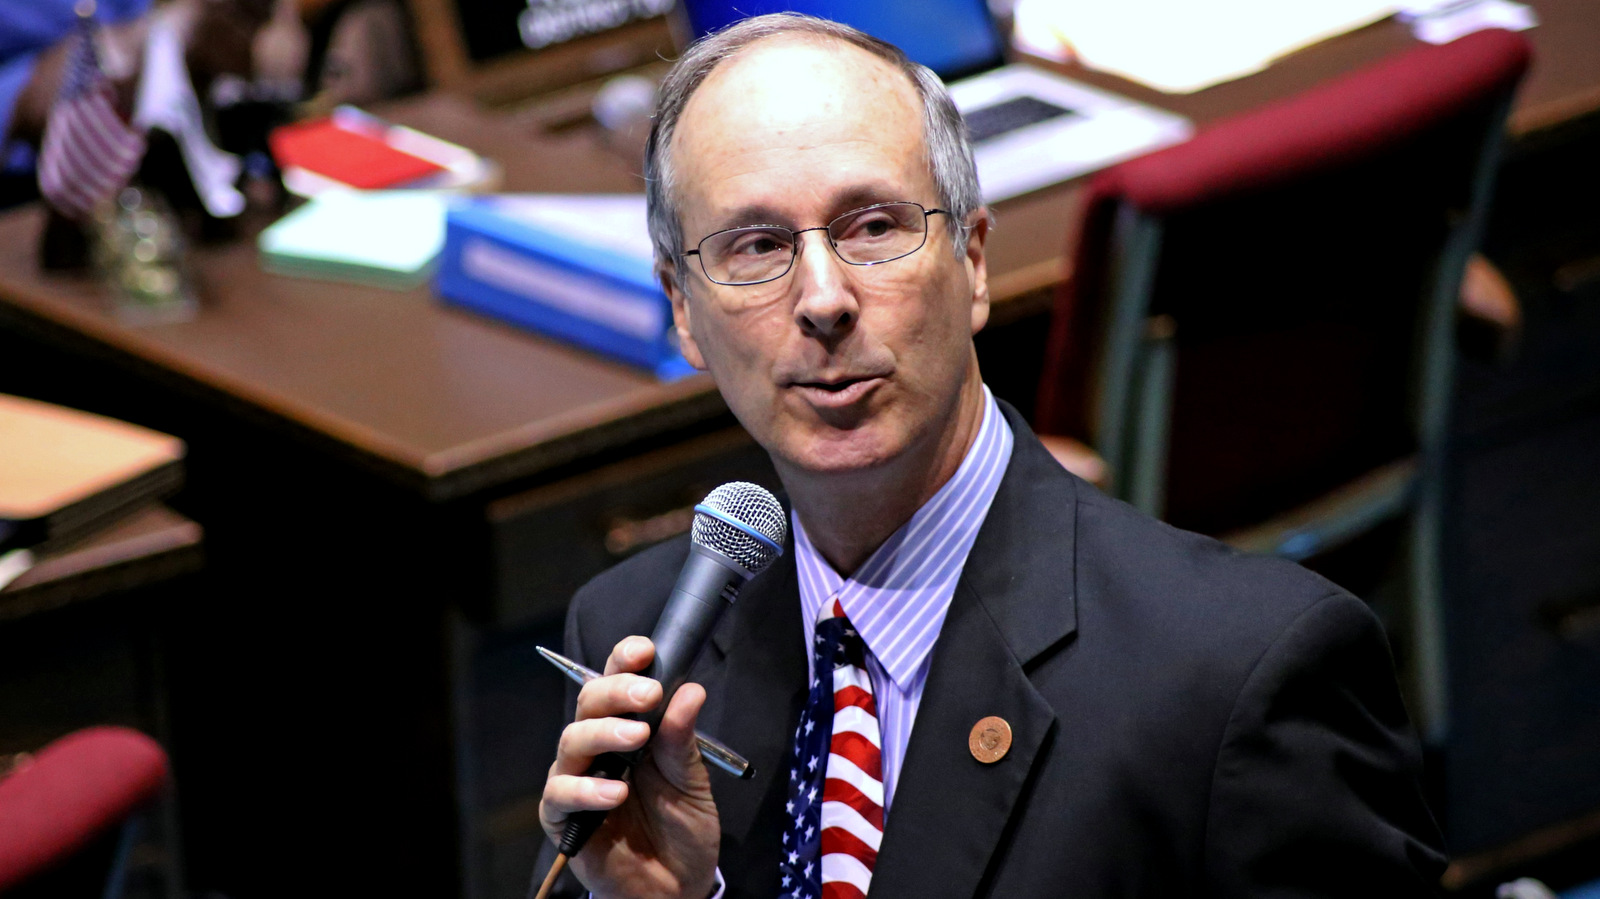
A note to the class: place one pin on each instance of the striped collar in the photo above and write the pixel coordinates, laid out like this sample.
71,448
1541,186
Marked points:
897,600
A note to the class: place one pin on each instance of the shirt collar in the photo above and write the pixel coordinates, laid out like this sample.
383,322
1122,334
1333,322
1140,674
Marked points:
898,598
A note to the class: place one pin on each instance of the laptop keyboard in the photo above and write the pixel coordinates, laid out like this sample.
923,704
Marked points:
987,122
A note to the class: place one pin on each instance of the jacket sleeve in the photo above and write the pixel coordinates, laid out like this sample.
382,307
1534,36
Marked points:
1317,788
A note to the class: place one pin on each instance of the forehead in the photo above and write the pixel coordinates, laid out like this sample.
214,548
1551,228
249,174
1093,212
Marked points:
799,115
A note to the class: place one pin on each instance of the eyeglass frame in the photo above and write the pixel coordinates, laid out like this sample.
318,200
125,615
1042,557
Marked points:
794,248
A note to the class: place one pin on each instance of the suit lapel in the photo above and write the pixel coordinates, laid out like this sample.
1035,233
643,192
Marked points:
1015,600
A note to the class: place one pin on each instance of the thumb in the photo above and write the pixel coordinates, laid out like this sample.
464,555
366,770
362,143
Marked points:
675,751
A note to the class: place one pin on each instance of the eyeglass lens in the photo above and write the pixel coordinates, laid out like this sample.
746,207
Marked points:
863,237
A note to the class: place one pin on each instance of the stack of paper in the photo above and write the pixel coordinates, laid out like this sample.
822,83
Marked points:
1442,21
1181,46
384,238
64,473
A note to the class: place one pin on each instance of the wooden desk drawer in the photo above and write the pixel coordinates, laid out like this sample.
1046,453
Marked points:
548,541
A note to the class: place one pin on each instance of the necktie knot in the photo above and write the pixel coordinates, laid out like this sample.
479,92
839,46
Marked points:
837,643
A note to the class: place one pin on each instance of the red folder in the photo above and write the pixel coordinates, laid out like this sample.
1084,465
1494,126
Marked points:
355,157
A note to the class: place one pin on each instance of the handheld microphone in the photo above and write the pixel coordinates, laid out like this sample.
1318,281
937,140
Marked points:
738,530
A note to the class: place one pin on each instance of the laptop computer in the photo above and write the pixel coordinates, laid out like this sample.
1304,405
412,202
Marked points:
1030,128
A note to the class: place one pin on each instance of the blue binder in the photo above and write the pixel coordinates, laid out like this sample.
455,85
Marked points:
501,261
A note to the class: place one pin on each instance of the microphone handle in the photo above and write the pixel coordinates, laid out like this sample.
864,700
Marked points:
705,589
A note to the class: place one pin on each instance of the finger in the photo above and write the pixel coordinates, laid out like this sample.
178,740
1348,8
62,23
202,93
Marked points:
581,741
675,748
617,694
566,793
630,654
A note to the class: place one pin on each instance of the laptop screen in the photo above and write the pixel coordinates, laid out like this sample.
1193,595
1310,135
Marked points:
952,37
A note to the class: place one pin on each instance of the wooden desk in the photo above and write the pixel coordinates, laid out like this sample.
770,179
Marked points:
440,400
1564,83
1562,86
376,470
144,548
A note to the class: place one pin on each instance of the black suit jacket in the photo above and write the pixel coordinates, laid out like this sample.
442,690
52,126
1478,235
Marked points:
1186,720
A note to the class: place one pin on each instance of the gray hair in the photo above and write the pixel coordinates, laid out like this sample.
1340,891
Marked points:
945,142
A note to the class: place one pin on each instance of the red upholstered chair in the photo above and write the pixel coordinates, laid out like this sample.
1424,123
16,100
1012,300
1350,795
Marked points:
1258,334
65,813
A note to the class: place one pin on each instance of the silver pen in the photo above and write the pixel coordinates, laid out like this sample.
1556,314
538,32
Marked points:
713,752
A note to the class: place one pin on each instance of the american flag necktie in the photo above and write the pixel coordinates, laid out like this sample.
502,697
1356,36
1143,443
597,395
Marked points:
835,824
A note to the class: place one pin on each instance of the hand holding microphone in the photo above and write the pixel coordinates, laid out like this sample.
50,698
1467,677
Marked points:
662,834
662,838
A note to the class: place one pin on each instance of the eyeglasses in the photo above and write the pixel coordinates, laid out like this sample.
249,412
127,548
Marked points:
757,254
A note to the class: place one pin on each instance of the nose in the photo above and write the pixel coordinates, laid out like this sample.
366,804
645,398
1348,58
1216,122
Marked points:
826,308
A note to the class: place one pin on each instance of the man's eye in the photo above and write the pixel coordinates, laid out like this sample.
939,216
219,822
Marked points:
868,227
758,245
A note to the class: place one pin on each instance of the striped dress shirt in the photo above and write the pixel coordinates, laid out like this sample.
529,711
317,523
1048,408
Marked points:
898,598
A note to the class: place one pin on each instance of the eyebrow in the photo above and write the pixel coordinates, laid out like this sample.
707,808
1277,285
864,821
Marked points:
855,197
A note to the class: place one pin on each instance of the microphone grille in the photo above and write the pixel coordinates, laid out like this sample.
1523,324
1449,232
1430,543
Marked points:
744,522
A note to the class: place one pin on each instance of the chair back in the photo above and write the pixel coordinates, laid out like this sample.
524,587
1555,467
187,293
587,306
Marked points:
70,802
1264,312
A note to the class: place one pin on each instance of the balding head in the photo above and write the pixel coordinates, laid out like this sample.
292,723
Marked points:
945,150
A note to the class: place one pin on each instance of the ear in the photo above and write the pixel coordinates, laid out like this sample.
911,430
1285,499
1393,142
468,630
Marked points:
668,275
978,268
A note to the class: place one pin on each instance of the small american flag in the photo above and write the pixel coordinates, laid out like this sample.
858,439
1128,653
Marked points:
89,153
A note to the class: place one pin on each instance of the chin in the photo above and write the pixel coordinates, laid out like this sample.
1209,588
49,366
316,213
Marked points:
843,452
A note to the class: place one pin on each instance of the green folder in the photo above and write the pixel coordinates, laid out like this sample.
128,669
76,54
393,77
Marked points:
386,238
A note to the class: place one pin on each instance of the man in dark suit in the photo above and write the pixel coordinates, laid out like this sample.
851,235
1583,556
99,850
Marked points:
1106,706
